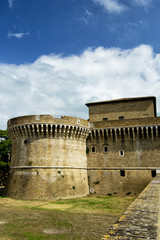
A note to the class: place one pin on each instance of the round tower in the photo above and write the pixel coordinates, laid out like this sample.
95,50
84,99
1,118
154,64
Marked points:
48,157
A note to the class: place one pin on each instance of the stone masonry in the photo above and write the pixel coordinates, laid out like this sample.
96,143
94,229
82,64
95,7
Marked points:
48,157
117,151
142,219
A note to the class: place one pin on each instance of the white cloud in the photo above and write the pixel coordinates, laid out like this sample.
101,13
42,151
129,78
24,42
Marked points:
62,85
115,6
10,2
144,3
111,5
17,35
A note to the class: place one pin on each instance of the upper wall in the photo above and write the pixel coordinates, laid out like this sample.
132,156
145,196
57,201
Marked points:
126,108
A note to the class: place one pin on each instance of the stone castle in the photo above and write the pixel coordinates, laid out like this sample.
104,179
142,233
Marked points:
117,151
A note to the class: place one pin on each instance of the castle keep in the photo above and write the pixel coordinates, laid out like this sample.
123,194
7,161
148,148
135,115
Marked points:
117,151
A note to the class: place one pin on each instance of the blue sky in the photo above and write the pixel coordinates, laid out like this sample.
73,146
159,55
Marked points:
33,28
56,55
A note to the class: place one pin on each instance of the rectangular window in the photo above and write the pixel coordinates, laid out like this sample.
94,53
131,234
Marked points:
153,173
121,117
121,153
105,149
93,149
122,173
105,119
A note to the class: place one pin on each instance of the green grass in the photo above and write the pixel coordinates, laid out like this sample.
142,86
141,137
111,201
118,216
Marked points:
99,203
64,224
85,218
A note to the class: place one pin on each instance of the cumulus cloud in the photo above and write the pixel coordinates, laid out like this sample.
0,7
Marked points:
59,85
17,35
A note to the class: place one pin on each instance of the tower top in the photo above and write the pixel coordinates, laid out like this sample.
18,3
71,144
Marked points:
128,108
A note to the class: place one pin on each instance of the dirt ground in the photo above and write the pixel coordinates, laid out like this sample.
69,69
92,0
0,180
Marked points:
85,219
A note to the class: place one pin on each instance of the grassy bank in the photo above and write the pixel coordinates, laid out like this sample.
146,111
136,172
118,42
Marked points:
86,218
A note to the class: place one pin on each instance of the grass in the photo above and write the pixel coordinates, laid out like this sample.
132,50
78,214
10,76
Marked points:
107,204
76,219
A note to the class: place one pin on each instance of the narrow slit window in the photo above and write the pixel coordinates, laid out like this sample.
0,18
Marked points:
105,149
105,119
93,149
121,117
122,173
153,173
121,153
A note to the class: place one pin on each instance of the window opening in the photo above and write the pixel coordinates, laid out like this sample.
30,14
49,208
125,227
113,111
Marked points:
105,149
121,153
122,173
93,149
121,117
153,173
105,119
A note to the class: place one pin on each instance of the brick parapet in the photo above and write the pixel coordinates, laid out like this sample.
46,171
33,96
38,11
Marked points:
35,126
152,121
47,119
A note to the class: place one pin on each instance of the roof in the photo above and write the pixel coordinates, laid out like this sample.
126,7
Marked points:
126,100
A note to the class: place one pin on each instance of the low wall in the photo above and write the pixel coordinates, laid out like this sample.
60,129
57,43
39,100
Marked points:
142,219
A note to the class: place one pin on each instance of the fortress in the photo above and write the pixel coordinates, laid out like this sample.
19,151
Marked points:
117,151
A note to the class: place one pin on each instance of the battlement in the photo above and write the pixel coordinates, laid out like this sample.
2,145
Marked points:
47,126
47,119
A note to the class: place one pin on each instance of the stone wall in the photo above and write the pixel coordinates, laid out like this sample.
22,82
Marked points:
142,219
129,109
122,160
48,157
111,182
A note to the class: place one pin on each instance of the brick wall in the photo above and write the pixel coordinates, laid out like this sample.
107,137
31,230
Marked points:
126,109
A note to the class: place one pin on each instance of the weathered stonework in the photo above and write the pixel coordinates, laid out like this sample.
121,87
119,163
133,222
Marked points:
123,153
116,152
48,157
142,219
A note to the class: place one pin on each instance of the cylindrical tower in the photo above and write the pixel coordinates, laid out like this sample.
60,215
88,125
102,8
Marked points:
48,157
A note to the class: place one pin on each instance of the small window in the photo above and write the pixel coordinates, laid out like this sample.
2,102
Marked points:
122,173
105,149
105,119
121,153
153,173
93,149
121,117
